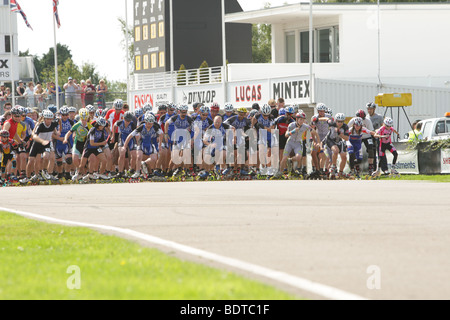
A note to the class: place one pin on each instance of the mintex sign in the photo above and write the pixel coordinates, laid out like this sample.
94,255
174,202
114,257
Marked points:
295,90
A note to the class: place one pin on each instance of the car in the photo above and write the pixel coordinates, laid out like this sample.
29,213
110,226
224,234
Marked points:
436,128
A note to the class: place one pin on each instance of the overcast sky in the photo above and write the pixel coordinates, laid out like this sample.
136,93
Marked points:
90,29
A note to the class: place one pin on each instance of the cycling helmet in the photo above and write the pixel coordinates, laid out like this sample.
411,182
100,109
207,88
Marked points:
23,111
118,104
29,110
295,108
64,111
162,107
183,107
47,114
72,109
101,122
282,112
4,133
229,107
203,109
289,109
16,111
253,113
84,114
242,109
266,109
90,108
340,117
215,106
330,112
300,115
360,113
147,107
104,112
321,107
128,116
139,112
371,105
255,106
358,121
388,122
149,117
52,108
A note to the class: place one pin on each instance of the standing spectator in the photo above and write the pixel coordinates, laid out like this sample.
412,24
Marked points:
273,105
82,93
70,89
78,93
21,93
7,107
51,92
7,93
89,92
29,93
39,96
2,92
101,89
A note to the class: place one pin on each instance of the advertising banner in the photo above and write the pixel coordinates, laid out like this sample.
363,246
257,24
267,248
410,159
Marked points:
407,161
246,93
154,97
445,160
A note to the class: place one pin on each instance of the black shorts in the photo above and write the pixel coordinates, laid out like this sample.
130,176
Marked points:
38,148
283,141
6,158
95,151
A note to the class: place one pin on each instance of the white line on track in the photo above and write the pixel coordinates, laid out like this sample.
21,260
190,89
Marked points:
296,282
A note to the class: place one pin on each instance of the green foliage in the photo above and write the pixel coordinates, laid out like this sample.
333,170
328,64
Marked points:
261,43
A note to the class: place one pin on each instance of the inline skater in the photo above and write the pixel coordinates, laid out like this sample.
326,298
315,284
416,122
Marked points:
78,132
367,139
282,123
124,128
264,124
294,143
63,151
182,140
385,133
357,131
201,123
229,111
96,140
8,148
335,140
377,122
146,151
241,125
320,123
42,148
215,142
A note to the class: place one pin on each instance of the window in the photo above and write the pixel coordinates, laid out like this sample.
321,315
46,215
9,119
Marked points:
325,45
304,46
145,32
447,125
137,34
8,45
427,129
153,31
153,60
290,47
161,29
146,62
162,59
138,63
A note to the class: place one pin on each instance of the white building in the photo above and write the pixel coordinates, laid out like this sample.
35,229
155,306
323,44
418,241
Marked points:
359,51
11,65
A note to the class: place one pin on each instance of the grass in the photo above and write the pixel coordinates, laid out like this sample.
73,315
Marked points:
435,178
47,262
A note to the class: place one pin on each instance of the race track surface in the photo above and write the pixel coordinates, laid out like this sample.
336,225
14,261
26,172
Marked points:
375,239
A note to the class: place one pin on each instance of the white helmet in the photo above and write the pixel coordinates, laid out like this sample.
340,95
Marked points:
321,107
101,121
388,121
47,114
149,117
118,104
90,108
183,107
340,117
147,107
229,107
138,112
266,109
358,121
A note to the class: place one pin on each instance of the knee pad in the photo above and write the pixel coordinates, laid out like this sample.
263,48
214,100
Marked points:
69,161
371,152
59,163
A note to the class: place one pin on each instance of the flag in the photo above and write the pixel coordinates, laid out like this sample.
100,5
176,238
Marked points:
55,12
16,8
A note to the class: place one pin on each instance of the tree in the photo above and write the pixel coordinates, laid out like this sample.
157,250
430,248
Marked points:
127,31
262,41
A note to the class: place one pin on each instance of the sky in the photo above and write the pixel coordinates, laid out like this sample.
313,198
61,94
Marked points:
90,29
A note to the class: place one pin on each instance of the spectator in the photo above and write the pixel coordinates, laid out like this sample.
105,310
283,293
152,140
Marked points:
39,95
101,89
21,93
2,92
7,93
82,93
71,89
51,92
6,108
415,134
273,105
29,93
89,91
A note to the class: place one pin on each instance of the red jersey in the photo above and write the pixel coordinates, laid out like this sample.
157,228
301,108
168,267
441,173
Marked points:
112,117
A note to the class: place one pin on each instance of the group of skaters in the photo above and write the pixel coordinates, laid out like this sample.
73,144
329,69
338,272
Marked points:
169,141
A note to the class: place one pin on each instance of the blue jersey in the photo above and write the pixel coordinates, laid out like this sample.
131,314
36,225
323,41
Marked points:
181,124
148,136
124,130
30,127
96,136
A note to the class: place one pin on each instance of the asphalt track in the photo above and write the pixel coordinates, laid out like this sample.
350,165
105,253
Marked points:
373,239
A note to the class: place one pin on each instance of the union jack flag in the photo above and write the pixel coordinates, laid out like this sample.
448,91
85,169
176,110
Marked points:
16,8
55,12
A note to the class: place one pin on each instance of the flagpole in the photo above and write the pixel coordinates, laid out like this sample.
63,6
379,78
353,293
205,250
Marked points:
56,63
11,44
127,49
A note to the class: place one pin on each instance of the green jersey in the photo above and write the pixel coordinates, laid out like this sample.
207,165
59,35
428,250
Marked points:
81,132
